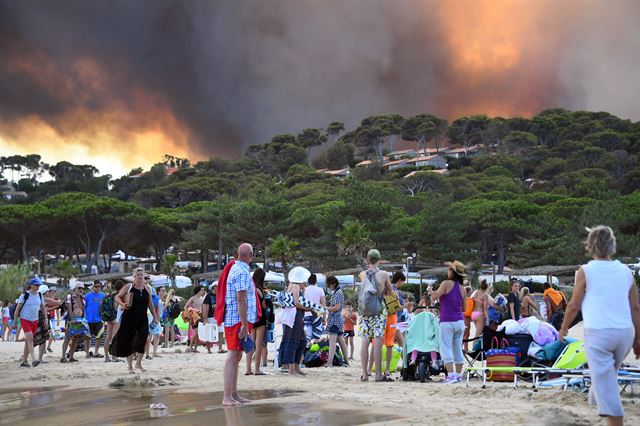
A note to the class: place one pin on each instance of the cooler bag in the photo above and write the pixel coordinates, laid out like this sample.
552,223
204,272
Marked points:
500,357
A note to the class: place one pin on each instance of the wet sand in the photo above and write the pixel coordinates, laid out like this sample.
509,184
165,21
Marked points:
95,392
62,406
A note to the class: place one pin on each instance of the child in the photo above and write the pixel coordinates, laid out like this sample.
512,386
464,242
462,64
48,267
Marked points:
350,320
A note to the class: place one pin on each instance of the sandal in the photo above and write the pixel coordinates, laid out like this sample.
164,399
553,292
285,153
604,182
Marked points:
98,356
385,379
25,364
364,379
73,360
50,350
35,363
63,360
222,351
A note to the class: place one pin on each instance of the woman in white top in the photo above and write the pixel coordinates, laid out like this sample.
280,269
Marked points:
605,291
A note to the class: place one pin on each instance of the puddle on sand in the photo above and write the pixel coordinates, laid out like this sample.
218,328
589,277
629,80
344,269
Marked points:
56,406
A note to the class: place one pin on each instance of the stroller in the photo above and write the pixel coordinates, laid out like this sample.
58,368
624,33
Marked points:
422,336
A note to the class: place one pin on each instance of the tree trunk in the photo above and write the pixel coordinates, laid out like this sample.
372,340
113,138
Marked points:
25,254
220,251
103,235
501,256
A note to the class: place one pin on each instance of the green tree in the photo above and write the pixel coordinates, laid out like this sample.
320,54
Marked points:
374,131
333,131
309,138
170,267
423,128
12,280
283,249
354,240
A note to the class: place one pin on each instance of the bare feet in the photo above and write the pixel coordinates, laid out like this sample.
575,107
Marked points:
131,371
230,403
240,399
139,367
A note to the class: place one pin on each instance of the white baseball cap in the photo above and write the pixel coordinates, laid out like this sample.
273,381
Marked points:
43,289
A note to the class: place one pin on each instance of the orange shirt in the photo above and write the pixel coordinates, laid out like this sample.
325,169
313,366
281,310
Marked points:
350,321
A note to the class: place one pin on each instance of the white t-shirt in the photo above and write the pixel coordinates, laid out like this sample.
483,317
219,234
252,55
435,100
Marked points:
313,293
5,312
606,298
31,307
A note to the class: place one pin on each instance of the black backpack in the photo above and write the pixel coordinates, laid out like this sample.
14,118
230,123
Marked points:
174,310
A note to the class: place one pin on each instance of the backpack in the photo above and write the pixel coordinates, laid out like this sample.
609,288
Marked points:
108,312
174,310
369,304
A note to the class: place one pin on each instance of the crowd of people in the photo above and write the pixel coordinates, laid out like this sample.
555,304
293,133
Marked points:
130,320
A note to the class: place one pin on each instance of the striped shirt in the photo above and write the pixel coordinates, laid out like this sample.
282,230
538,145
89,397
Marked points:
239,280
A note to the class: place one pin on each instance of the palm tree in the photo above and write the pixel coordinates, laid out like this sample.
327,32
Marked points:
353,239
284,249
64,269
170,268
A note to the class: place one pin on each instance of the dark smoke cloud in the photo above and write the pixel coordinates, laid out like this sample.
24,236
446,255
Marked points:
234,73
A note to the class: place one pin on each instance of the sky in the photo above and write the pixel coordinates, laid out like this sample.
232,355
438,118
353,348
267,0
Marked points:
120,83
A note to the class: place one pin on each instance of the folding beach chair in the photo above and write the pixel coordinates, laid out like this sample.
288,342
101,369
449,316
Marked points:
476,354
479,345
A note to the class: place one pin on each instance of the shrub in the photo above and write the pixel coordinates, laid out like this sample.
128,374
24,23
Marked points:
12,279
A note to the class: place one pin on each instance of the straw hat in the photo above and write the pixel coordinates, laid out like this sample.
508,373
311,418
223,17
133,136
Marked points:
458,267
299,275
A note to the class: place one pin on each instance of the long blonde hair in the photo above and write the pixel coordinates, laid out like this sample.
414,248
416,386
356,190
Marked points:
523,292
169,296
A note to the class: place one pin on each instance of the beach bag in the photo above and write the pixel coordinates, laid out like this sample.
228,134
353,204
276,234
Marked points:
500,357
369,304
174,310
313,359
42,334
269,333
392,303
108,311
79,327
208,333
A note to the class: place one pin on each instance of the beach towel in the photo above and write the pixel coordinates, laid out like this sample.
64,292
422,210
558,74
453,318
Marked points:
511,327
286,317
285,299
221,293
555,296
423,334
543,333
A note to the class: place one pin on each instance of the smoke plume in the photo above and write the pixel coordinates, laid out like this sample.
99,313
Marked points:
118,83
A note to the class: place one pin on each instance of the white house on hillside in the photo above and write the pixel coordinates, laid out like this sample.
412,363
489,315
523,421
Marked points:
435,161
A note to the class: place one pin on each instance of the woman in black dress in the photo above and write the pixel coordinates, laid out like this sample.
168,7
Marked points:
131,337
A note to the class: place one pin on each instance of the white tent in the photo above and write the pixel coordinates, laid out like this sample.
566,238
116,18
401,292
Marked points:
160,280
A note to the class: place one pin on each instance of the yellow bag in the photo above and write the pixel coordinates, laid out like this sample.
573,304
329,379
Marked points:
392,303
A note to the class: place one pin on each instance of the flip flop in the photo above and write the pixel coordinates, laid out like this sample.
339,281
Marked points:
248,374
222,351
385,379
262,373
98,356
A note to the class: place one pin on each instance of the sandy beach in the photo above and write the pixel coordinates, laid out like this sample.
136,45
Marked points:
333,388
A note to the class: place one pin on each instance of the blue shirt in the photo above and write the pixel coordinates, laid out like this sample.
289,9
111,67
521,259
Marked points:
92,310
156,300
239,280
